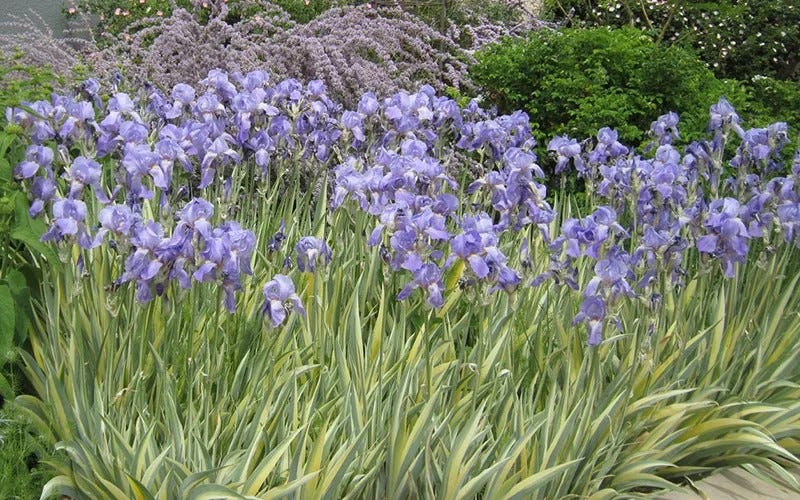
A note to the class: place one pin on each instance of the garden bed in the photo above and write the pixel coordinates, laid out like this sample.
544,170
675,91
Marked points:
245,285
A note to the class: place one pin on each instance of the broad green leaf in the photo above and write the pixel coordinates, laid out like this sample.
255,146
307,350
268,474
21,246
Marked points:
212,492
60,486
267,465
139,490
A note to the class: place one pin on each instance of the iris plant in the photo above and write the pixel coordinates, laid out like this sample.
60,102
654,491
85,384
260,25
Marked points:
149,170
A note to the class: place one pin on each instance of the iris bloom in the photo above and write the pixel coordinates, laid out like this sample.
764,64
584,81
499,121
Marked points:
279,296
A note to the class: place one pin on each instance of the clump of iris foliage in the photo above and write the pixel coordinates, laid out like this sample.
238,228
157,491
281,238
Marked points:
265,294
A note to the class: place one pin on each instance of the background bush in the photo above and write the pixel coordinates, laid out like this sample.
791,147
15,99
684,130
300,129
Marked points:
575,81
352,49
114,17
736,38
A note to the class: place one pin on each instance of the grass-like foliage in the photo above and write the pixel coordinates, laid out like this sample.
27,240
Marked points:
402,314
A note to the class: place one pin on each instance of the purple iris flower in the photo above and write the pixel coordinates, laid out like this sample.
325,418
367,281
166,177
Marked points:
608,147
69,220
242,242
118,219
36,157
722,115
789,217
86,172
279,295
139,161
566,150
142,266
472,244
429,278
593,313
612,273
219,151
309,251
276,239
665,128
316,88
368,104
253,79
218,80
508,280
226,256
42,190
183,94
131,132
727,237
194,216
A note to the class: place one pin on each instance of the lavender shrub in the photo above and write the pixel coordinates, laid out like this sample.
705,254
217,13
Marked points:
356,49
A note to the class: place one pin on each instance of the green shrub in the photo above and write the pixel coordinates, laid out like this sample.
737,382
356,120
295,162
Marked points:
114,17
575,81
737,39
770,99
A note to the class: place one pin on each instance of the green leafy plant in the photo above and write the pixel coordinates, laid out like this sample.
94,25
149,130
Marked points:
22,257
114,16
737,39
369,397
769,98
328,383
575,81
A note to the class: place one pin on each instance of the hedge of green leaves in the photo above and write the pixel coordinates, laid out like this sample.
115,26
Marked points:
736,38
574,81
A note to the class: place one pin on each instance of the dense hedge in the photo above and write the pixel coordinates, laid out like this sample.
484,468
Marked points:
736,38
575,81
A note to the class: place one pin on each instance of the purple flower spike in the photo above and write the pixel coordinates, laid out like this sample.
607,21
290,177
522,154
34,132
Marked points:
69,221
118,219
593,313
195,215
43,190
429,278
278,294
85,172
309,250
